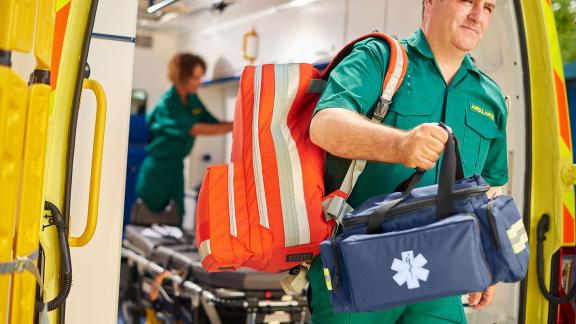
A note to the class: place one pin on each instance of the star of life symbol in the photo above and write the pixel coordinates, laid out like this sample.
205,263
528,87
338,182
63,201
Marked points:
410,270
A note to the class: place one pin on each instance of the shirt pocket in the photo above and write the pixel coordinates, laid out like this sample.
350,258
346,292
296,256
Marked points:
410,109
479,132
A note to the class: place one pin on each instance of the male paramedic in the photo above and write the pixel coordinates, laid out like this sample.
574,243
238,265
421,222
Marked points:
441,84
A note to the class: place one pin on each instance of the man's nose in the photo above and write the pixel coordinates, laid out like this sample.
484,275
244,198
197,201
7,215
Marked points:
476,12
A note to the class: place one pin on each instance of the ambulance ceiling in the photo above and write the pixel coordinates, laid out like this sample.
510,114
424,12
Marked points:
184,14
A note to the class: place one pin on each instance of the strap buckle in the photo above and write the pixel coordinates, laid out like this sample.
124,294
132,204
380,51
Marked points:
381,110
20,264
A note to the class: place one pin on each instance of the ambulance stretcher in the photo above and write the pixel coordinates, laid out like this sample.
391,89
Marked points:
175,264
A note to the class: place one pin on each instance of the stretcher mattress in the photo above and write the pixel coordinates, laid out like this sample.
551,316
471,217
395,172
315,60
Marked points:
181,254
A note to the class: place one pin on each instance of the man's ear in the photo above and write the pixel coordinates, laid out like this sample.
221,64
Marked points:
426,3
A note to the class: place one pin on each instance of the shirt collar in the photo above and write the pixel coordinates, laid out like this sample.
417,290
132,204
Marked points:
173,95
420,43
469,64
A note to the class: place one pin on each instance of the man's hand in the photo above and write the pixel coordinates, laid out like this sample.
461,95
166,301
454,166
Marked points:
495,191
481,300
421,147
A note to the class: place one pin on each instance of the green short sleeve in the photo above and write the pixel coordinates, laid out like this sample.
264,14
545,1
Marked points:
207,117
495,170
356,83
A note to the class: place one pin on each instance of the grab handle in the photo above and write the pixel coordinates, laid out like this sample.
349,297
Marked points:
250,57
96,170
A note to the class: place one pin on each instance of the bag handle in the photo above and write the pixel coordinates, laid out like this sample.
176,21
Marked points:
450,171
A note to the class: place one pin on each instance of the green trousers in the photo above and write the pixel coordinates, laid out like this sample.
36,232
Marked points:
160,181
439,311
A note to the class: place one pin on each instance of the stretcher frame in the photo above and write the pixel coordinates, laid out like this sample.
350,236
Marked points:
210,297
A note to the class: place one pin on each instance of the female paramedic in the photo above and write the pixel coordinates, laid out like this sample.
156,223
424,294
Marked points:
178,117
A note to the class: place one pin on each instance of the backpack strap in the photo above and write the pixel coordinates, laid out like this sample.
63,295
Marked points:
335,206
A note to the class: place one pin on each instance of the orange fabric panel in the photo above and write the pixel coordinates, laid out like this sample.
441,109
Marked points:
563,117
567,225
244,111
59,30
238,130
393,57
241,243
269,163
217,183
213,217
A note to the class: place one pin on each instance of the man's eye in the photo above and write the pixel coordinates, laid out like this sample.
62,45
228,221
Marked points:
468,1
489,9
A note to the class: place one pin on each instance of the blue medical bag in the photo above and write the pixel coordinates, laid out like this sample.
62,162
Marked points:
425,243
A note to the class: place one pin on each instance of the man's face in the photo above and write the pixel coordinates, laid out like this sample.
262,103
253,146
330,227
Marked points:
461,22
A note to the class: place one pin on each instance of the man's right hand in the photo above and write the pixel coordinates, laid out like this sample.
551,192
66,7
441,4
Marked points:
421,147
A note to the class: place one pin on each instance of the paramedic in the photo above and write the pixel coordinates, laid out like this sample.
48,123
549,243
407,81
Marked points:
178,117
441,84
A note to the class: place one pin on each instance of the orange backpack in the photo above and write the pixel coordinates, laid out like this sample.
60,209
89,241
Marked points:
266,209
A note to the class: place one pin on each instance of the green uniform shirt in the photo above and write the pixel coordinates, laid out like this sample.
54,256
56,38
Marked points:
170,122
472,104
161,176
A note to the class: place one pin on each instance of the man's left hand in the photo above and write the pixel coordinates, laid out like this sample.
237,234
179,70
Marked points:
481,300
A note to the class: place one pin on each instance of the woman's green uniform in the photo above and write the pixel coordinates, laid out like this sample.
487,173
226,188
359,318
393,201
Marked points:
161,177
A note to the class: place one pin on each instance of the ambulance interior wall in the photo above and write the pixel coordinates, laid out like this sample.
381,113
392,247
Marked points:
314,33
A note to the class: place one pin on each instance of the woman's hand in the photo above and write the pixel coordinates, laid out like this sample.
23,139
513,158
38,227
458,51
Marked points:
210,129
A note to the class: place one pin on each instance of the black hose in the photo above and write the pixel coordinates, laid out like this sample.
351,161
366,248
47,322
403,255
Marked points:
543,228
65,260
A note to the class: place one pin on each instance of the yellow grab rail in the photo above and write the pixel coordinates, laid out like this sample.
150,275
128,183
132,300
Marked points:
97,148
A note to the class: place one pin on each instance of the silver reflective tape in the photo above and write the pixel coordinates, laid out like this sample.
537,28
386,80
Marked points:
257,161
354,171
521,238
231,206
521,244
388,91
293,202
517,236
204,249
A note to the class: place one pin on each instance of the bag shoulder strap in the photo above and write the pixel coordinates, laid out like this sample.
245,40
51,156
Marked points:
335,206
398,63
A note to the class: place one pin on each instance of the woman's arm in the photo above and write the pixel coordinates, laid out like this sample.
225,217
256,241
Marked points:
210,129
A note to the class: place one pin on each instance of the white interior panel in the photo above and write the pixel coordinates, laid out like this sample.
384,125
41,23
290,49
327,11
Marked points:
96,266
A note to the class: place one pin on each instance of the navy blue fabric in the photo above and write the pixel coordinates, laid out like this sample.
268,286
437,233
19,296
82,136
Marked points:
138,132
137,141
461,251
